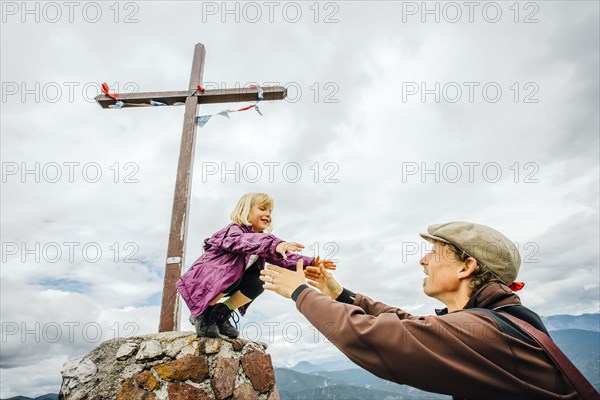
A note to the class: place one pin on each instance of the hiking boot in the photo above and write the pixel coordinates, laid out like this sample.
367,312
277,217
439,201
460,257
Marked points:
220,316
205,327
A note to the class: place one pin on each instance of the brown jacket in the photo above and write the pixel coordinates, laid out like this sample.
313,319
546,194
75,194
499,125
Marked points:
466,353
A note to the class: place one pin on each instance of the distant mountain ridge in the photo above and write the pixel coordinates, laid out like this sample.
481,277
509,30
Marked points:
577,335
306,367
347,385
588,322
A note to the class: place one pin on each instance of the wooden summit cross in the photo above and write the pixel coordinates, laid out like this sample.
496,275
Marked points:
170,311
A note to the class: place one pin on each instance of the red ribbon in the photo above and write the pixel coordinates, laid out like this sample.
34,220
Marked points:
245,108
516,286
200,88
106,92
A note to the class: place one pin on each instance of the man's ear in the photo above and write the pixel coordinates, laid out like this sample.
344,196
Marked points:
468,268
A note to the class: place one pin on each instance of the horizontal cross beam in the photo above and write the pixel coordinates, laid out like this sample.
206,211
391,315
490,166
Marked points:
204,97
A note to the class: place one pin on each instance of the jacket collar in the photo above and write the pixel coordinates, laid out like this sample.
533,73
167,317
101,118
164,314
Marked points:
492,295
246,228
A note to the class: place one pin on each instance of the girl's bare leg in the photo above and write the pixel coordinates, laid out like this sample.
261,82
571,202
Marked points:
238,299
216,299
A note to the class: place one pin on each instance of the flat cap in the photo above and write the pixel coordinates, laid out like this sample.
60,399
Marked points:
490,248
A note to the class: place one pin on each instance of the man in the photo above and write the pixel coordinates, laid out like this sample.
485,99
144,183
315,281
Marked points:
469,350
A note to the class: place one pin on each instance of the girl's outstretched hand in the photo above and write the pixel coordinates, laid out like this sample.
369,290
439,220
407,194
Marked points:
284,247
328,264
322,279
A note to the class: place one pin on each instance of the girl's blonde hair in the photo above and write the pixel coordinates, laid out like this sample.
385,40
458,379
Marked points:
241,213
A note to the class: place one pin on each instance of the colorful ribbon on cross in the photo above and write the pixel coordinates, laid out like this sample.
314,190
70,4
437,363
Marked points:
106,92
120,104
200,120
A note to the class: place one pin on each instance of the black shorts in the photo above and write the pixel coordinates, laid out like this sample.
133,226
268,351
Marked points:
249,284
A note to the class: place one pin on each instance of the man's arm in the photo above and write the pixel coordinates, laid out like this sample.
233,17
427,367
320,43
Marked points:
462,353
342,324
437,354
323,280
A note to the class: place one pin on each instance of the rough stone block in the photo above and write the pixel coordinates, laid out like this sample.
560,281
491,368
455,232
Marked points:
223,380
126,350
194,368
259,369
182,391
81,369
130,391
210,346
237,344
147,381
245,392
173,348
149,349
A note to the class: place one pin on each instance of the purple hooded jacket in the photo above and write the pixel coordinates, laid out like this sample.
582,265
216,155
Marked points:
226,254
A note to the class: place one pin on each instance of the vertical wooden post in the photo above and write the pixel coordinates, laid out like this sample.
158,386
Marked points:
170,311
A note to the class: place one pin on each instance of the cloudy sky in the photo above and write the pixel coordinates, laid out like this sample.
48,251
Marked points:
399,115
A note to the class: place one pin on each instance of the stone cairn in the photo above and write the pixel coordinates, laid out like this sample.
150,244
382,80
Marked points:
171,366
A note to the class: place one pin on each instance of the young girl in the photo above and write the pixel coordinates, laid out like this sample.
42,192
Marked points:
231,264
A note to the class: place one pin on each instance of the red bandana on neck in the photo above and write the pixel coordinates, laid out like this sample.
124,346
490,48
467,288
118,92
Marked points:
516,286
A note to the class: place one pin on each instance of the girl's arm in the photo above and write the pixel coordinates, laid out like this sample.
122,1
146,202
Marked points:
262,244
238,241
290,263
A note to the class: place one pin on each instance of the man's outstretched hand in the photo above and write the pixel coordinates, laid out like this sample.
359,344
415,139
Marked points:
322,279
281,280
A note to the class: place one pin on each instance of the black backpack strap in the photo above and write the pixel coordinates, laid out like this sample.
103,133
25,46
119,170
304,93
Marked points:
506,325
524,314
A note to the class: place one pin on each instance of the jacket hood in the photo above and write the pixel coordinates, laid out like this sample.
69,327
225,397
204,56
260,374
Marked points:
493,295
247,228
